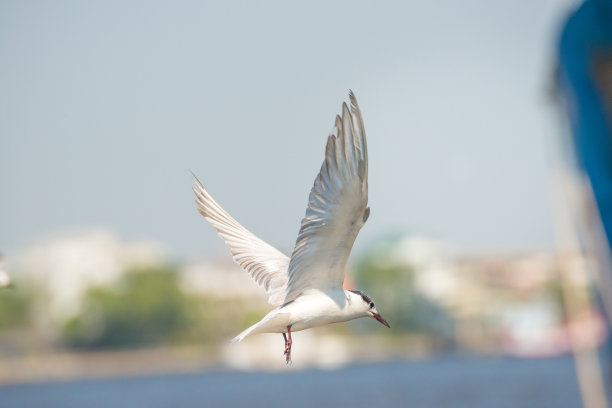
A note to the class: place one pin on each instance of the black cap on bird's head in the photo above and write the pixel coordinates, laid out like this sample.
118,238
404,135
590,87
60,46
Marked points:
371,307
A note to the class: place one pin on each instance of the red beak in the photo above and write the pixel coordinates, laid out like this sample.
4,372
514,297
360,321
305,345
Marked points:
380,319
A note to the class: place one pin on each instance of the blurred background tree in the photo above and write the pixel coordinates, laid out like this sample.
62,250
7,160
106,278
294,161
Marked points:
146,307
15,307
392,286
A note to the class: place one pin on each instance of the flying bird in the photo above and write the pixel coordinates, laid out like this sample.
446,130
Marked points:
306,288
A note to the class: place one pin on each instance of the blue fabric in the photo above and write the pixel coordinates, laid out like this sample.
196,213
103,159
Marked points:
585,39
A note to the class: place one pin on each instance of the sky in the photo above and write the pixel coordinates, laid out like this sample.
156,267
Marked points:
105,107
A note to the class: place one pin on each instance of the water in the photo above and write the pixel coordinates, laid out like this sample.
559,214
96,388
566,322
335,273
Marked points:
442,382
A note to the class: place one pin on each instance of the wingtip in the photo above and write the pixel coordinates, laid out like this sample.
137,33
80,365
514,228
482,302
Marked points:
197,182
338,124
345,110
199,191
353,99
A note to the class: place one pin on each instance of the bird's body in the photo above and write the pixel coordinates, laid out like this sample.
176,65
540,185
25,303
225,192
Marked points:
313,308
307,287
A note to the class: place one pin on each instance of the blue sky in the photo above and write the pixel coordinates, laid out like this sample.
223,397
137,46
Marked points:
106,106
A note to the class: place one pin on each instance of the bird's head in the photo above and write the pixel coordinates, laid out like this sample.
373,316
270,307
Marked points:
365,305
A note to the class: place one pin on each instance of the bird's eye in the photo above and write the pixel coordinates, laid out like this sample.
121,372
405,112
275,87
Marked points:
371,305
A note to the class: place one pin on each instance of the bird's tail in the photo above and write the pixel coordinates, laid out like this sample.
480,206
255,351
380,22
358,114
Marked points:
245,333
273,322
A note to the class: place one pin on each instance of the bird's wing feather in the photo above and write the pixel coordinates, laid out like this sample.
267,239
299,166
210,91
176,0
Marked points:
266,265
337,208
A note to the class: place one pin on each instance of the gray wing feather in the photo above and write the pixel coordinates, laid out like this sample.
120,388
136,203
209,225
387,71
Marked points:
266,265
337,208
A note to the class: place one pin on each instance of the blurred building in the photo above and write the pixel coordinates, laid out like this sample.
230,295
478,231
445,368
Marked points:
220,278
484,303
508,302
64,267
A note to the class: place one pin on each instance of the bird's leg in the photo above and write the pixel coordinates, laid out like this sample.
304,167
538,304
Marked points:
288,343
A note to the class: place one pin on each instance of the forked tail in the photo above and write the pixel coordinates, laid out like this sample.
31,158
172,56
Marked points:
245,333
273,322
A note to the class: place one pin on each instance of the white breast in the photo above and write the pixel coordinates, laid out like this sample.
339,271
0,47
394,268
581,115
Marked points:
317,308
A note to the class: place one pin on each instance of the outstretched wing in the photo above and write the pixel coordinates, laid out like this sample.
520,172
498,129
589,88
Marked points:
337,208
266,265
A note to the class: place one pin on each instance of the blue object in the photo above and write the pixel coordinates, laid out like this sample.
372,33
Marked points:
586,44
